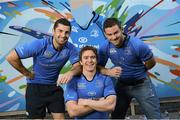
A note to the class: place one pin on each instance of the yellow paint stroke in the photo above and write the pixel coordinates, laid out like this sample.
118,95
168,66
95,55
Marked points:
165,62
16,12
28,4
169,84
163,38
8,14
14,79
176,82
26,29
166,83
52,17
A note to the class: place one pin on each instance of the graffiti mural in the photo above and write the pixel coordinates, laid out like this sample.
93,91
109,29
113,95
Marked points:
156,22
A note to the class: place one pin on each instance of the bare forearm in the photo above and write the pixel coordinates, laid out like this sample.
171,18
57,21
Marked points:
150,63
76,69
103,70
106,105
14,60
75,110
113,72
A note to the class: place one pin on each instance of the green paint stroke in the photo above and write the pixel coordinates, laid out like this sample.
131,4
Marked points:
169,84
65,69
99,9
3,78
22,86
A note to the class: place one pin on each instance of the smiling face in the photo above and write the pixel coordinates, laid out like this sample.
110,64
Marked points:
61,34
114,35
88,61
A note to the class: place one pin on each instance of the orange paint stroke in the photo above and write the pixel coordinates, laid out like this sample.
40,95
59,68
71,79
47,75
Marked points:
163,38
175,72
165,62
54,15
14,79
177,49
152,75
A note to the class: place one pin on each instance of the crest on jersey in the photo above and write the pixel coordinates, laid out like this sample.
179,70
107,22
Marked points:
47,54
94,33
112,51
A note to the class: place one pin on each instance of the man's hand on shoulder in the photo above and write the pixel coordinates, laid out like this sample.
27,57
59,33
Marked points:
65,78
114,72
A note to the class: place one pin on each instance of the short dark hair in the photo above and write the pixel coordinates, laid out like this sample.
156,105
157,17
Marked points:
109,22
88,48
63,21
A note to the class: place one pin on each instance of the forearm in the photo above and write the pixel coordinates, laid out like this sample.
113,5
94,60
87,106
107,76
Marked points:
103,70
113,72
105,105
14,60
150,63
75,110
76,69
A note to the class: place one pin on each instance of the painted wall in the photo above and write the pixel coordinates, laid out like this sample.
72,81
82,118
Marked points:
156,22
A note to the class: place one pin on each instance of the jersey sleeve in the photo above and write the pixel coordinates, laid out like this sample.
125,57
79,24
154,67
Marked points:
29,49
142,50
74,55
103,54
109,87
71,91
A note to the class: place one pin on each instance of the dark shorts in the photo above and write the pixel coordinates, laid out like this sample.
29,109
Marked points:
40,98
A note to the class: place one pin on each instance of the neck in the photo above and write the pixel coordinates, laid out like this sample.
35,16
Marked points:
89,74
56,45
121,44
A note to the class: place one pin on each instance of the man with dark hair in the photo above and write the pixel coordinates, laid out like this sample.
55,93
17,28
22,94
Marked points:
49,56
135,58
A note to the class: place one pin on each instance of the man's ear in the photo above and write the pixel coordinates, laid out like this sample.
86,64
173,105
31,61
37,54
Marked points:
52,31
105,34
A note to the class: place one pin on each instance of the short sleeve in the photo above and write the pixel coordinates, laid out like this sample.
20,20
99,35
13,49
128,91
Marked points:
71,91
109,87
103,54
74,55
29,49
142,50
145,52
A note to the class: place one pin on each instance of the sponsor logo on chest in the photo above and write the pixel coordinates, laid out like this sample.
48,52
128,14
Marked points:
47,54
81,85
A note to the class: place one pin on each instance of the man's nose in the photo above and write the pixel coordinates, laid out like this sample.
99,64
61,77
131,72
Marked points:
63,34
113,37
90,59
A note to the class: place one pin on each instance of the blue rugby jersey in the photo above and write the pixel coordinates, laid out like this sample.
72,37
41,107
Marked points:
130,57
92,36
80,87
47,61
